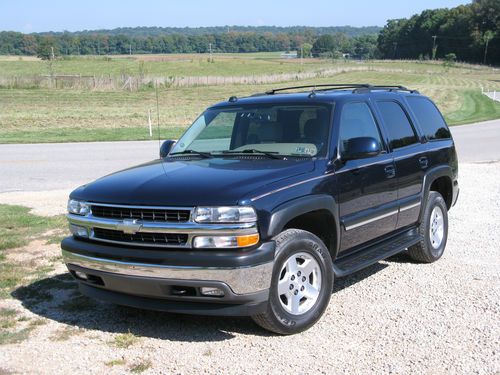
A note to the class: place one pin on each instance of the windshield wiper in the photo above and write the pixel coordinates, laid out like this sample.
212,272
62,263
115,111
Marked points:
205,155
269,154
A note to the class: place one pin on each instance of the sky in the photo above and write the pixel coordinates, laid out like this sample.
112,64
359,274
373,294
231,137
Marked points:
58,15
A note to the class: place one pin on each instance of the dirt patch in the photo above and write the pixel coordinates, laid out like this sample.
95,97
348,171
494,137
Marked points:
43,203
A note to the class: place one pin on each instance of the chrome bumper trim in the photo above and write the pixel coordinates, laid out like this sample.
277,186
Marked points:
190,228
242,280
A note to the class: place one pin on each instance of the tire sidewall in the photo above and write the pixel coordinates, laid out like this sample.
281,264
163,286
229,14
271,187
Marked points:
435,199
301,241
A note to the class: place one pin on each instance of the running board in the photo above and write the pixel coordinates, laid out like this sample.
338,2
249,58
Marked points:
366,257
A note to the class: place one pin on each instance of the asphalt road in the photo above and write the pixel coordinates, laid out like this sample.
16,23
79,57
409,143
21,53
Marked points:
45,167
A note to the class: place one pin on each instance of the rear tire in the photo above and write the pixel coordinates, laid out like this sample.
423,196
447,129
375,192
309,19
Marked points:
301,284
433,229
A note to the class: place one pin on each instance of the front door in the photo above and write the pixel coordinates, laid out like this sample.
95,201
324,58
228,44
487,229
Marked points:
367,189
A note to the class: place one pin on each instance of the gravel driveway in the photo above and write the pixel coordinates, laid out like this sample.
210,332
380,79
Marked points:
394,317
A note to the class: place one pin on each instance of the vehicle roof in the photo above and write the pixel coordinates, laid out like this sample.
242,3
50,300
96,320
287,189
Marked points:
322,96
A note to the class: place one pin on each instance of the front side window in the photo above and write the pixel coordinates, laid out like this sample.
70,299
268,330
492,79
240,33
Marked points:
356,121
430,120
288,130
398,126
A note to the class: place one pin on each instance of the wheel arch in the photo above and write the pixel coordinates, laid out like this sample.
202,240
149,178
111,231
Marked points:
317,214
439,179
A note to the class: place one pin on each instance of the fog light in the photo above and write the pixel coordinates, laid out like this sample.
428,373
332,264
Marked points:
81,275
211,292
79,231
225,241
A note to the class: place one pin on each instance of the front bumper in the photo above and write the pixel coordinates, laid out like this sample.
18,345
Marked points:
174,281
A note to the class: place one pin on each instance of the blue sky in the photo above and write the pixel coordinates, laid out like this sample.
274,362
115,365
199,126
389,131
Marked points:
59,15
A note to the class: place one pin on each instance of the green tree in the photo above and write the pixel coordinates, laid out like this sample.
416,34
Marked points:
47,49
306,49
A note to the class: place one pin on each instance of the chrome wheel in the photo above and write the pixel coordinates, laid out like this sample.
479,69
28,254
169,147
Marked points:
436,227
299,283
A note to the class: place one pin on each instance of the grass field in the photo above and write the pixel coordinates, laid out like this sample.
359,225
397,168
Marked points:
60,115
166,65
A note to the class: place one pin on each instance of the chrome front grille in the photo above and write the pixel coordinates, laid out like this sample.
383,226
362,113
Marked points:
150,226
169,215
157,239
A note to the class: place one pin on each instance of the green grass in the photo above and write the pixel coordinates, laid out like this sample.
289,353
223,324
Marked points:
475,107
124,340
18,226
65,334
7,318
14,337
165,65
140,367
115,362
70,115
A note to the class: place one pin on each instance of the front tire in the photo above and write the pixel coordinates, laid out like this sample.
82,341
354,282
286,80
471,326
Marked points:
301,284
433,229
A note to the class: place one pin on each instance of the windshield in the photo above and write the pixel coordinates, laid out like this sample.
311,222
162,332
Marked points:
288,130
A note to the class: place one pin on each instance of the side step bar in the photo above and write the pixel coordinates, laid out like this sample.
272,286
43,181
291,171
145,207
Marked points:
370,255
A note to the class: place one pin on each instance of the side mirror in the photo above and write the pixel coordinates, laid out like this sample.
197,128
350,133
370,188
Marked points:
361,147
166,147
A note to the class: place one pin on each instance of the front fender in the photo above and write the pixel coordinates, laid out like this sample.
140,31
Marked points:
287,211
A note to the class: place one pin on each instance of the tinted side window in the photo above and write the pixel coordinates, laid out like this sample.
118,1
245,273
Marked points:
429,118
398,126
356,121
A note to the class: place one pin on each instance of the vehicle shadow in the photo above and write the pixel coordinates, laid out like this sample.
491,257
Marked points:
347,281
57,298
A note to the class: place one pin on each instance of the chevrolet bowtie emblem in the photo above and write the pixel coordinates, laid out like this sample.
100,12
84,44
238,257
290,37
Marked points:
129,226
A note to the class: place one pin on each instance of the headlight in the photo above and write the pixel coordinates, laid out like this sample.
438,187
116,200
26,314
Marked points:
77,207
237,214
225,241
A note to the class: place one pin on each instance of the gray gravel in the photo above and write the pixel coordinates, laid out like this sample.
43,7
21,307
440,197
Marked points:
395,317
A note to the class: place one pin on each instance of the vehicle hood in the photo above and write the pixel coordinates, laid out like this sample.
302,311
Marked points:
216,181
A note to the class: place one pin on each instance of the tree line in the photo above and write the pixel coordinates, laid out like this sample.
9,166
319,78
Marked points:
48,45
467,33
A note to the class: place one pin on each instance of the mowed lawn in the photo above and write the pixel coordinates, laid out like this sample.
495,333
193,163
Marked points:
61,115
164,65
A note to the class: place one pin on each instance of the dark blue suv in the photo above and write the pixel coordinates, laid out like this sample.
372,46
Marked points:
265,200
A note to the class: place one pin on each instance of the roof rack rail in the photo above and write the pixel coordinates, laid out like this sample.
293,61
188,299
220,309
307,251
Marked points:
337,86
386,87
357,88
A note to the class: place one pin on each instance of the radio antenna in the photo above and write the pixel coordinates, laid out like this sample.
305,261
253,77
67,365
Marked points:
158,114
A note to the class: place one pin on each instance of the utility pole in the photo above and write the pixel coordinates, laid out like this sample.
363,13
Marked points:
301,55
52,56
488,38
434,37
130,49
395,49
210,49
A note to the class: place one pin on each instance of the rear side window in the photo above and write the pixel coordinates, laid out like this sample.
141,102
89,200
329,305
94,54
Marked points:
430,120
398,126
357,121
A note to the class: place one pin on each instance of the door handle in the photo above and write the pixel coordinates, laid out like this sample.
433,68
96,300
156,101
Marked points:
424,162
390,171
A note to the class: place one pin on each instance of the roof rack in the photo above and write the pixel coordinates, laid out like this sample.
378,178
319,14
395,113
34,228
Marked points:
332,86
357,88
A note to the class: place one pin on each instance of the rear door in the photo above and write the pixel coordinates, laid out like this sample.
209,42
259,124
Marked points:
367,192
409,157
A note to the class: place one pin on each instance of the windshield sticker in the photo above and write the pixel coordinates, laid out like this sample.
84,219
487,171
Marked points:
304,150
